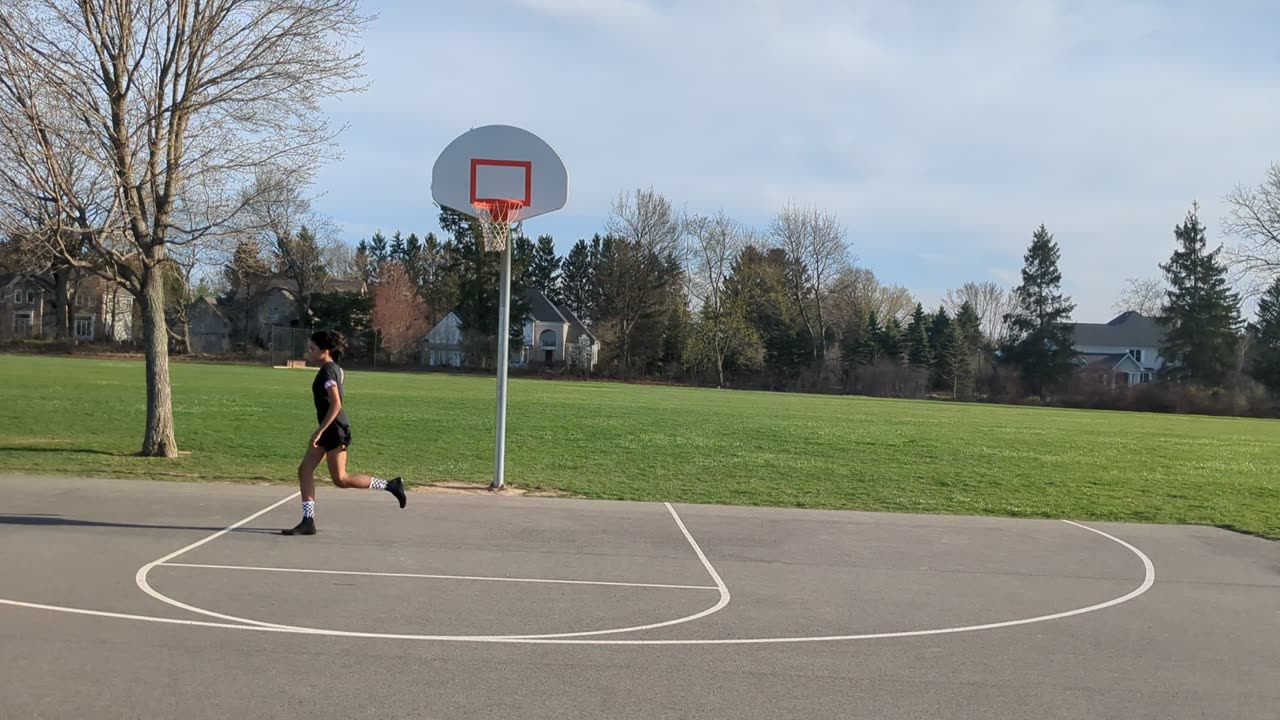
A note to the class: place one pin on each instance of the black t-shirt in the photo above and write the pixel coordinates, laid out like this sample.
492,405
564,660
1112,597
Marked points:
330,374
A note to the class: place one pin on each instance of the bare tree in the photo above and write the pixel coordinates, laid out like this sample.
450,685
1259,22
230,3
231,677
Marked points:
859,293
118,113
715,242
647,218
817,251
639,264
1144,296
279,214
1254,219
989,300
338,258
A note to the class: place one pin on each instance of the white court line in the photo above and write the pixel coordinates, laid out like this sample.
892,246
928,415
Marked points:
441,577
1148,581
141,579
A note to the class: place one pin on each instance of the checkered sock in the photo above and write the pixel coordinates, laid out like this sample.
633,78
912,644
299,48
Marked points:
308,509
377,484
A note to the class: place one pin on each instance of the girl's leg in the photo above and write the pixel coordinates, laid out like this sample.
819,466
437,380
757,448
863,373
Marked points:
307,488
338,472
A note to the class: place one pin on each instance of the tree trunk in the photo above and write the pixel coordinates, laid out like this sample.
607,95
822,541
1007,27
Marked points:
159,439
62,321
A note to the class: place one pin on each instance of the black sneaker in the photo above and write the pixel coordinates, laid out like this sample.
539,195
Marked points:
396,487
306,527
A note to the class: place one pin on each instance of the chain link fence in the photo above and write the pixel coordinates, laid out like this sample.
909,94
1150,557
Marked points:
287,344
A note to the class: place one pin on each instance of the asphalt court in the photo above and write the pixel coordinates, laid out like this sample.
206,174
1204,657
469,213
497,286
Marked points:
1185,618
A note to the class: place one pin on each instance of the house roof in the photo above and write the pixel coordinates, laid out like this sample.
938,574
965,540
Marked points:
575,323
1128,330
1107,361
541,308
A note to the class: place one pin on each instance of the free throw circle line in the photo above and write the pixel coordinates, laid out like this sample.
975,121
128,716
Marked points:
141,579
1147,583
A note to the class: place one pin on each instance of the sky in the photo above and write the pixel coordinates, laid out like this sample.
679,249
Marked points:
939,134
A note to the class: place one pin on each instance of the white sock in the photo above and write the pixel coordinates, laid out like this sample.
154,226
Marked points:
377,484
308,509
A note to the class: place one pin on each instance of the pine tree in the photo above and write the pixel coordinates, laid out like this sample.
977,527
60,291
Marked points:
970,325
757,283
918,351
867,350
578,281
544,269
956,364
1039,338
890,341
1202,315
1266,339
939,331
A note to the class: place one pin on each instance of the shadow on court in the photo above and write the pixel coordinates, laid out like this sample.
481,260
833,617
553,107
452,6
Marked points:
49,520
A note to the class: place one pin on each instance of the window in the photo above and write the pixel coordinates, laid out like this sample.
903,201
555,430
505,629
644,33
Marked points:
1145,377
548,339
1137,355
17,297
22,324
84,327
31,297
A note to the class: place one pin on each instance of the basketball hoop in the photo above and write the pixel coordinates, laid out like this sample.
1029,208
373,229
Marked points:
496,218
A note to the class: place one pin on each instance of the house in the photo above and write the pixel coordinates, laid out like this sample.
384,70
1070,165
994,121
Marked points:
100,311
442,347
552,337
1124,351
209,327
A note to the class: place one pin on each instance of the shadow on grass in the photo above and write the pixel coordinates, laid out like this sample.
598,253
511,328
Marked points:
74,451
44,520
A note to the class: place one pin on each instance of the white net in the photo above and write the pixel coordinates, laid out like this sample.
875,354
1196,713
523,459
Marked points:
496,218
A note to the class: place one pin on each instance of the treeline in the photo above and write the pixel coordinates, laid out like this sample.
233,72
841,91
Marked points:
705,299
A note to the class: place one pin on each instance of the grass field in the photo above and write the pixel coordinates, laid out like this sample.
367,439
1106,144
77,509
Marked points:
85,417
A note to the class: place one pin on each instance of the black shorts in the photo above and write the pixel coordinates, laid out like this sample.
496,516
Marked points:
335,436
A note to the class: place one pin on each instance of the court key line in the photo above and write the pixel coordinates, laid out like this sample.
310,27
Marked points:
141,579
439,577
1147,582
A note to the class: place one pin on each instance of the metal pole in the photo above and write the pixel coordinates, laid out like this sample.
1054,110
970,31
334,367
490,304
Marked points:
504,348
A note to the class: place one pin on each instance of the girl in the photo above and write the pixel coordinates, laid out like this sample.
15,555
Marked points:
331,440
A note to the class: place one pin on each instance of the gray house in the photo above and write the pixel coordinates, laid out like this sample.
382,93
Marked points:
553,337
1124,351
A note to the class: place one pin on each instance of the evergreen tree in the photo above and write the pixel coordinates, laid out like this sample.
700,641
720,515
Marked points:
522,262
578,281
1202,315
363,262
867,350
1039,339
1266,339
544,270
957,367
378,253
939,332
890,341
397,251
970,326
919,353
756,283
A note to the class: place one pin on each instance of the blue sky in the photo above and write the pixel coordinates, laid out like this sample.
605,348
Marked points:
941,134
